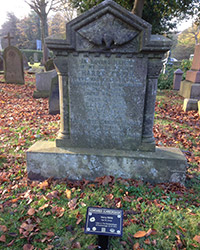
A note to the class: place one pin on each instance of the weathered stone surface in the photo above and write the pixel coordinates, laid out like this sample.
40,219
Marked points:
1,63
13,65
46,160
43,83
108,67
190,90
196,61
190,104
193,76
177,79
49,65
54,107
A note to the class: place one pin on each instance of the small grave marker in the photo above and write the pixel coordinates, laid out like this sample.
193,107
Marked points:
104,222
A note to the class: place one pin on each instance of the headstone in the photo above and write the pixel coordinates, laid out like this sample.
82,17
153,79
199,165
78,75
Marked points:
43,83
190,88
177,79
108,69
54,107
13,65
1,63
35,57
9,38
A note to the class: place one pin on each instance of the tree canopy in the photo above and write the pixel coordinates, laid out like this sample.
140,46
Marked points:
162,14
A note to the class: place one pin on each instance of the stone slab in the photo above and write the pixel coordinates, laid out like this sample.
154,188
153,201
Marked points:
193,76
54,107
45,160
190,104
177,79
190,90
106,101
43,83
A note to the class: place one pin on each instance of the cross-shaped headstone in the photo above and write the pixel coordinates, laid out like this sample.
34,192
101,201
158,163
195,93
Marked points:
9,38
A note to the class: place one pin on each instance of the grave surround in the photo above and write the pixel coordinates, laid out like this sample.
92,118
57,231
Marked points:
108,68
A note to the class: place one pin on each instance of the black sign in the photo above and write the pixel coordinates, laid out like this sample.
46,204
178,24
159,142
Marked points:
104,221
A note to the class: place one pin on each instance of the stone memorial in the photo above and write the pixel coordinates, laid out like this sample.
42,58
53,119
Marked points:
108,69
54,107
190,88
1,63
43,83
177,79
13,65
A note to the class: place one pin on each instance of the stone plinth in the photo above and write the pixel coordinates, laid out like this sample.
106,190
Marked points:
190,104
45,160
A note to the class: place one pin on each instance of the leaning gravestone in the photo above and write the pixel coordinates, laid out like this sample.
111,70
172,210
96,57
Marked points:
13,65
108,69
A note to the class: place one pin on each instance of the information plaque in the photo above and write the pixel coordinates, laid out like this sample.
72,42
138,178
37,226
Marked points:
104,221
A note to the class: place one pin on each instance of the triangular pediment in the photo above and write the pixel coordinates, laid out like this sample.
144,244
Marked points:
108,27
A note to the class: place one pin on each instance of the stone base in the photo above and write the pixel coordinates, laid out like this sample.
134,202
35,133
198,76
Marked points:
190,90
193,76
190,104
40,94
45,160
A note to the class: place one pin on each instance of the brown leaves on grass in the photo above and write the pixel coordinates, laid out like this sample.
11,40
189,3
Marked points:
197,238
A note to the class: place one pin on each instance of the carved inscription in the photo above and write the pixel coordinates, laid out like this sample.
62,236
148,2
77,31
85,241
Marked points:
106,101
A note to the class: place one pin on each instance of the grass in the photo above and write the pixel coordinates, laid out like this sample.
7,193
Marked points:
51,214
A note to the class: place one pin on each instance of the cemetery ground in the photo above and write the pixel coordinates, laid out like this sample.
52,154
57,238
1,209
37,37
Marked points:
51,214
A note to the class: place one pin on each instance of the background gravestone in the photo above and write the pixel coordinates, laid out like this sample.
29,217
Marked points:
13,65
1,63
108,69
190,88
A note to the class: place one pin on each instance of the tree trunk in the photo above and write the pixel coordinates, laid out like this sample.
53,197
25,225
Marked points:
44,32
138,7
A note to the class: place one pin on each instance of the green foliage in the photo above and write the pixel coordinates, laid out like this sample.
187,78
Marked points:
159,13
185,66
29,53
165,81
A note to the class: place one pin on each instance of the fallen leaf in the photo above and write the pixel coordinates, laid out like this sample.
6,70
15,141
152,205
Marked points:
139,234
76,245
31,211
72,203
28,247
147,242
44,206
68,194
136,246
197,238
3,238
3,228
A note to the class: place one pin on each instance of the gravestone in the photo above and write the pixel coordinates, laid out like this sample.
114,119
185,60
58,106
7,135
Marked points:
108,69
190,88
177,79
13,65
43,83
54,107
35,57
1,63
